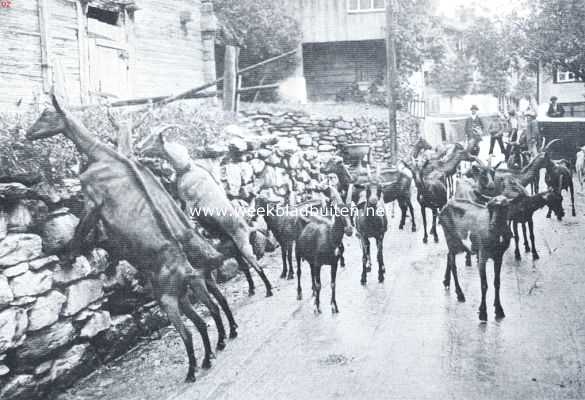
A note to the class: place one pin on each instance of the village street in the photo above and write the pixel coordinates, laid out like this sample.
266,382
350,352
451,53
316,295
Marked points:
406,338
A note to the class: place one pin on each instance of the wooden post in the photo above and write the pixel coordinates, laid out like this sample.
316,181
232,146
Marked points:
45,48
391,80
230,78
82,42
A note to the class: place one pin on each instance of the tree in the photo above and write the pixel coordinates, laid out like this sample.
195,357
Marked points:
554,32
453,77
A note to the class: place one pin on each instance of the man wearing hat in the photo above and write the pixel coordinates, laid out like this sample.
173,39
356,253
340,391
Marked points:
555,110
473,124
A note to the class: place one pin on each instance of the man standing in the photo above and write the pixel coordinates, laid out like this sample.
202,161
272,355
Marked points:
555,110
513,135
496,130
473,127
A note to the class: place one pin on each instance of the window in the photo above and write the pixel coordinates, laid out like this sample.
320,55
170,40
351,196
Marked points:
565,76
105,16
365,5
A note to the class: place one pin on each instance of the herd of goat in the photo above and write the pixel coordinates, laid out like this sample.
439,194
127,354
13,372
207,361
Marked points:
146,226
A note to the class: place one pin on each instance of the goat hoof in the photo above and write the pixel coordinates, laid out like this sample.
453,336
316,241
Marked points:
290,276
363,281
574,213
251,292
283,275
425,240
233,333
334,309
548,216
380,278
206,364
461,297
317,310
436,239
221,345
483,316
299,296
500,313
527,249
535,256
369,269
190,377
446,284
400,227
517,256
414,228
269,293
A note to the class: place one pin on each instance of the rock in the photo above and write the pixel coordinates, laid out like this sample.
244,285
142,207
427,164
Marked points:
100,321
43,368
82,294
46,310
227,271
47,192
343,125
326,148
41,343
113,342
288,145
32,283
6,295
238,144
80,269
247,172
23,301
4,370
13,323
234,179
71,365
257,166
264,153
20,387
152,319
16,270
17,248
99,260
41,263
305,140
58,230
20,218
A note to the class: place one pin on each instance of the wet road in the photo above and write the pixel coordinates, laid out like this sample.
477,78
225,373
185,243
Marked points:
407,338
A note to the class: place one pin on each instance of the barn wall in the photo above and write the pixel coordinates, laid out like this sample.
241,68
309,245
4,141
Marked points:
169,59
20,54
331,67
329,21
63,44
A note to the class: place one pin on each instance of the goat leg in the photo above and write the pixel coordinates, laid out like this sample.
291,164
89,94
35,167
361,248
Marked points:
531,229
497,303
460,295
291,273
516,240
526,245
334,308
381,269
484,287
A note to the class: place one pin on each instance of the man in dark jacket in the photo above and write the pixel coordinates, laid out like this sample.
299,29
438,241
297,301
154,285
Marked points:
473,127
555,110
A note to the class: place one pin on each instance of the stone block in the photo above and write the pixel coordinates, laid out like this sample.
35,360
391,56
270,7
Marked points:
98,322
45,262
13,323
19,247
6,295
46,310
82,294
19,387
41,343
80,269
16,270
32,283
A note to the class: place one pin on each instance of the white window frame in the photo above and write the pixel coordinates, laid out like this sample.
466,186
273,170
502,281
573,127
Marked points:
565,76
364,10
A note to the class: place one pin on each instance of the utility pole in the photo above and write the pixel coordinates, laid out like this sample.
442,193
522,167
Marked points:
391,80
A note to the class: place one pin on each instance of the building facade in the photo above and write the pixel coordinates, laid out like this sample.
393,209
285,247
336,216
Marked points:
564,85
108,48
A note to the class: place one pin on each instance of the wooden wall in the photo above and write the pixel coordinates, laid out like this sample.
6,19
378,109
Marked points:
168,58
330,21
330,67
20,54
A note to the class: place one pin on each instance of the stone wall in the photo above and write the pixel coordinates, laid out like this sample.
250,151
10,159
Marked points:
58,322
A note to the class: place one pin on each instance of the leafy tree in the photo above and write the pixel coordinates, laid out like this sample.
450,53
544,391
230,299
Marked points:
554,32
453,77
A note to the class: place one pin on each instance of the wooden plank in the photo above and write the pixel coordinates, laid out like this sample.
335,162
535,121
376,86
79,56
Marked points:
230,78
45,49
83,57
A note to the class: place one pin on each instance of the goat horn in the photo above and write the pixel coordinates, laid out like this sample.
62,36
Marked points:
543,143
551,142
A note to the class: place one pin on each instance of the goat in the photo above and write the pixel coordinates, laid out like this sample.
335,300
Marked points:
521,211
487,227
580,166
318,244
559,177
284,227
431,193
371,222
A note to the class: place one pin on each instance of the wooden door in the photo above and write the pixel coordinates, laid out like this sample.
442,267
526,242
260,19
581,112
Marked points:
108,60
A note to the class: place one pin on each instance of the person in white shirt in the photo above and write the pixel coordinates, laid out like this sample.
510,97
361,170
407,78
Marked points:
513,132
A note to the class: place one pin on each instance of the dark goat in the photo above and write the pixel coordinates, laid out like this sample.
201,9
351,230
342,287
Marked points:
431,193
521,212
285,227
318,244
487,227
559,177
371,222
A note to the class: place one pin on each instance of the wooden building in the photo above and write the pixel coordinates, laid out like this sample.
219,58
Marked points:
108,48
564,85
343,43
